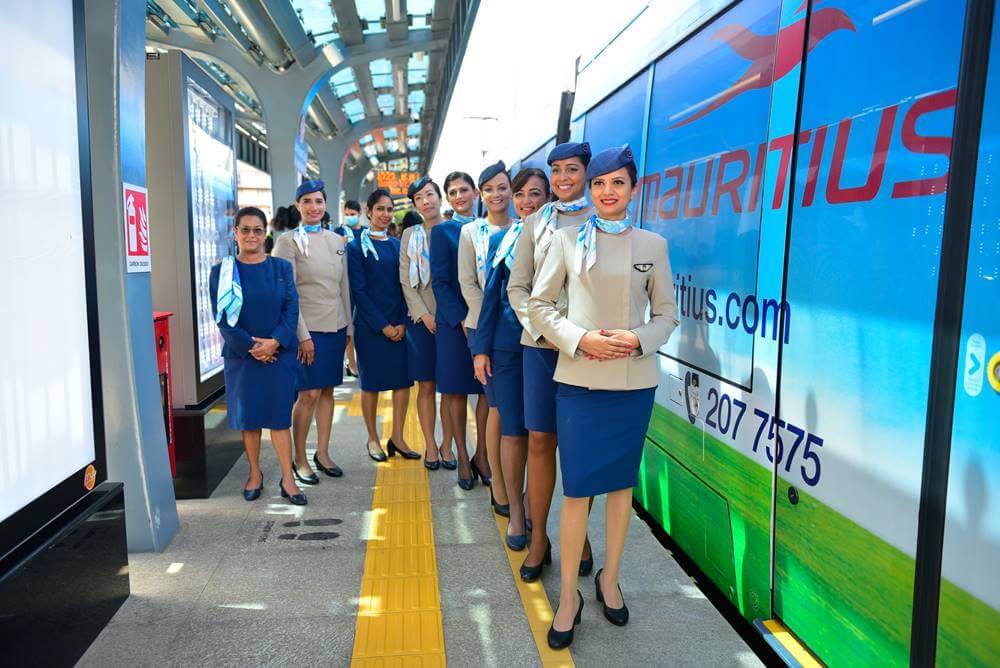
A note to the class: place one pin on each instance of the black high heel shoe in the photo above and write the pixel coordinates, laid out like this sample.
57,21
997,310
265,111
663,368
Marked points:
501,510
617,616
296,499
311,479
394,450
448,464
563,639
532,573
587,565
432,465
487,480
379,457
467,483
334,471
254,494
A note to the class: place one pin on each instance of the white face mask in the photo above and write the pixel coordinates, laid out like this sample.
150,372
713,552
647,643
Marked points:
351,221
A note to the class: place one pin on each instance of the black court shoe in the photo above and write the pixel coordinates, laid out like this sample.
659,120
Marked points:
254,494
503,510
587,565
432,465
377,456
296,499
334,471
487,480
405,454
448,464
532,573
617,616
311,479
563,639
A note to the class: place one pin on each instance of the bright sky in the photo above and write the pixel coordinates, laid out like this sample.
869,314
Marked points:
520,58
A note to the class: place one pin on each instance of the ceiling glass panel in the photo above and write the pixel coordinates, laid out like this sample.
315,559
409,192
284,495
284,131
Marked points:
390,133
381,70
367,139
343,83
392,145
414,164
416,101
416,69
354,110
413,130
371,11
317,17
413,143
386,102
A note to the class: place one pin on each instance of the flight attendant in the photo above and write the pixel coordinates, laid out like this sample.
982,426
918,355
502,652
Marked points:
455,377
256,308
473,247
497,347
379,325
568,166
415,277
350,227
607,367
318,259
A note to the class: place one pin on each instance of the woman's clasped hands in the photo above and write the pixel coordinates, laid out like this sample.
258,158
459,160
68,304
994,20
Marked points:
608,344
265,350
394,333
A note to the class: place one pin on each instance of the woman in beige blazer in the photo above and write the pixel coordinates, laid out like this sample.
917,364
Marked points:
324,327
611,273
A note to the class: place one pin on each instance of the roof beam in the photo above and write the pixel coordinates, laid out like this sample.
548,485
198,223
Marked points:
334,109
396,22
348,22
366,91
258,25
339,53
287,21
185,17
232,30
400,89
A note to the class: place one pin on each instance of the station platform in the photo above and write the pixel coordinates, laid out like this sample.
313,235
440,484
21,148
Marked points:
390,565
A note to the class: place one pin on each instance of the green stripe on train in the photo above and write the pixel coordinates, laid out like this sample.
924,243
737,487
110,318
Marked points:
714,502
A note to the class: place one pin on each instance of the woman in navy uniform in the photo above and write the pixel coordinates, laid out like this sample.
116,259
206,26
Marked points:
415,277
379,324
496,345
256,308
455,377
568,166
473,247
611,274
319,261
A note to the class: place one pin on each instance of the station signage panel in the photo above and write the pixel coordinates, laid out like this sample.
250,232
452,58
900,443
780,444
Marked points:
136,229
397,183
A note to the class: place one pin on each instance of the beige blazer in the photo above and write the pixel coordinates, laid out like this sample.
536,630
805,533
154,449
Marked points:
632,276
528,258
468,276
419,300
321,280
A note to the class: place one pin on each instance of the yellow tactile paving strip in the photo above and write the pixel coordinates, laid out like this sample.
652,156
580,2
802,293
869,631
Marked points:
791,644
399,609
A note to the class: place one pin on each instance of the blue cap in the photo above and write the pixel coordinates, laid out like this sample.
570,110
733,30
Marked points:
417,186
609,160
570,149
491,171
308,187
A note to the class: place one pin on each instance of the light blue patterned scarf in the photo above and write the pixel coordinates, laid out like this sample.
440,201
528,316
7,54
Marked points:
348,233
546,225
505,253
458,218
420,257
481,241
586,239
302,236
229,300
366,241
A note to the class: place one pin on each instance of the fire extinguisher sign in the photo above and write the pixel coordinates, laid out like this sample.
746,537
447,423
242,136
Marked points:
136,229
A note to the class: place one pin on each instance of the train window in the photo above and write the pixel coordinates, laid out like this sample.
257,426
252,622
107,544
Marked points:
705,156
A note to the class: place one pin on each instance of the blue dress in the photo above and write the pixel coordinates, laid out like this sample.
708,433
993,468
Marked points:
454,371
259,395
499,336
377,298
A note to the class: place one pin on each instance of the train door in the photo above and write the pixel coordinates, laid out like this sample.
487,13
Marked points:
968,629
868,199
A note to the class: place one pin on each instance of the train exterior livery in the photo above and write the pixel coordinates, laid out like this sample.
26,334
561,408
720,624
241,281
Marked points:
797,157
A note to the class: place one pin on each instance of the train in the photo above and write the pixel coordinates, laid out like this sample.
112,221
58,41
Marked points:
824,444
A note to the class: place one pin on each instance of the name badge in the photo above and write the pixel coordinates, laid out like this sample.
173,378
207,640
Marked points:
643,267
340,252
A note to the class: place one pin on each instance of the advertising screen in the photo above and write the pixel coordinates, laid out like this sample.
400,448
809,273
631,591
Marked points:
397,182
46,409
705,156
213,199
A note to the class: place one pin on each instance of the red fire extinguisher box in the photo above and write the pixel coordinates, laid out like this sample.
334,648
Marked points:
161,327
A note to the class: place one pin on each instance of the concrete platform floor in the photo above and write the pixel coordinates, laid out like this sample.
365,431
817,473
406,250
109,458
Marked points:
267,583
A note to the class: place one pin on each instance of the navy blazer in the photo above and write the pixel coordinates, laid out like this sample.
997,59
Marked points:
451,306
376,293
499,328
270,307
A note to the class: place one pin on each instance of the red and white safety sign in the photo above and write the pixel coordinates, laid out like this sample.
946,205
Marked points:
136,229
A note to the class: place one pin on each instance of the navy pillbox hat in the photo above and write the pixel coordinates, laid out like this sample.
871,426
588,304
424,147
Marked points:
609,160
417,186
570,149
491,171
308,187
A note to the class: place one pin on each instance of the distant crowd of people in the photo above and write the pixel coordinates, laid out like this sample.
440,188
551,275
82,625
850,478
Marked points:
551,316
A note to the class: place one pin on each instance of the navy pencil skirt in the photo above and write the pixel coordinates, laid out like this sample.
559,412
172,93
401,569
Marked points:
540,389
454,371
421,352
381,362
601,434
327,369
508,388
259,395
